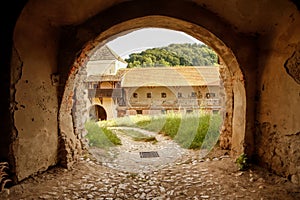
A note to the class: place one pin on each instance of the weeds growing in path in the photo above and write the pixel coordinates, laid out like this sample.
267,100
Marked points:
100,137
192,131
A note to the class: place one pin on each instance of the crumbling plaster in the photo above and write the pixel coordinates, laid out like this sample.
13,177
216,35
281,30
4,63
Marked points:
59,40
278,100
34,99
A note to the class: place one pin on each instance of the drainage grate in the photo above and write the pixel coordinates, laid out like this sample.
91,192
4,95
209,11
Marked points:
149,154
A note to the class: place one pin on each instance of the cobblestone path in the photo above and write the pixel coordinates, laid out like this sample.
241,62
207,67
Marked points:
126,157
189,176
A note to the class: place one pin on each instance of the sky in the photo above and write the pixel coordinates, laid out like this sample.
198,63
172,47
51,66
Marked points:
146,38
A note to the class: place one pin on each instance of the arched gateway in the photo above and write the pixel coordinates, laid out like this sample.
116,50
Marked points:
235,133
49,48
97,113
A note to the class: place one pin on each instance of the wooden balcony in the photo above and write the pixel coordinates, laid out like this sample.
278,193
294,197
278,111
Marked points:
97,93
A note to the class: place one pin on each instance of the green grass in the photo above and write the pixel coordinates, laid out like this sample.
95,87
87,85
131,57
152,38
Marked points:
242,162
138,136
100,137
198,132
192,131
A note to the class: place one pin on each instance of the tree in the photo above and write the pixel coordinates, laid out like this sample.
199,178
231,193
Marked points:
174,55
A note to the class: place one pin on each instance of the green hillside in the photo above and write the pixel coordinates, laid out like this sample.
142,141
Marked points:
174,55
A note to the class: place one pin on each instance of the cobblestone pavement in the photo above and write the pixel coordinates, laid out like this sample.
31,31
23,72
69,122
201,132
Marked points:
126,157
189,176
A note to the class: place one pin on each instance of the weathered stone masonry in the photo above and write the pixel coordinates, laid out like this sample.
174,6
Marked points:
258,42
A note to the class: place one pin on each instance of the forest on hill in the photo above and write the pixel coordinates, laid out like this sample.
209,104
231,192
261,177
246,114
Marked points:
174,55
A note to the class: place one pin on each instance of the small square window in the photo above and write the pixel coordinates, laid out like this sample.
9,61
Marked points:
149,95
193,94
139,112
179,94
135,95
163,95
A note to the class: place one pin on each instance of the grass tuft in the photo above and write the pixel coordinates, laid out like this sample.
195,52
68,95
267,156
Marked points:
192,131
100,137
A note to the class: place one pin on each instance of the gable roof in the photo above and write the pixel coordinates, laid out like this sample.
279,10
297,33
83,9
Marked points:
105,53
104,77
171,76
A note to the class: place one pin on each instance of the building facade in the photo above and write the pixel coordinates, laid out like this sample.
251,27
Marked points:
161,90
155,90
103,84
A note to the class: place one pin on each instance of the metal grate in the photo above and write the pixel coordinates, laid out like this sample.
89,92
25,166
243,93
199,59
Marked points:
149,154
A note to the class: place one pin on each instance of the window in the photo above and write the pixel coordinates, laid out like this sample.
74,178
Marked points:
179,94
135,95
139,112
95,86
163,95
149,95
193,94
210,95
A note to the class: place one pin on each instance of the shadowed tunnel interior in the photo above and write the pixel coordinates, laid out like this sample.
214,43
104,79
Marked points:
258,42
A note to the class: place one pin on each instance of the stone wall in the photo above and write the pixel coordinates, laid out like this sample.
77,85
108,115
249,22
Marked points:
67,44
33,100
227,106
260,49
277,136
79,110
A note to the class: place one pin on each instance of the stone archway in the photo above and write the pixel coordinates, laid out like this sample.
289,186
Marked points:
235,116
97,113
40,48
